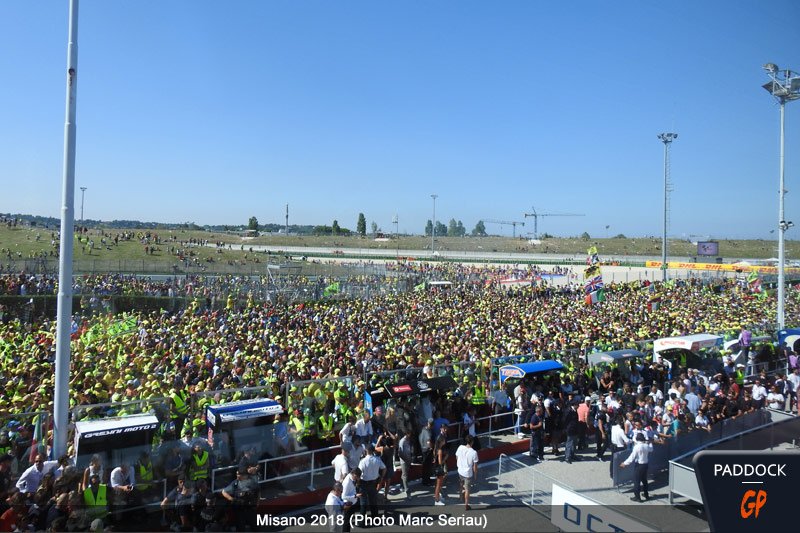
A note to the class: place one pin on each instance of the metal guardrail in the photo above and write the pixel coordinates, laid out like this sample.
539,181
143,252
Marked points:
682,479
696,439
265,463
535,489
313,468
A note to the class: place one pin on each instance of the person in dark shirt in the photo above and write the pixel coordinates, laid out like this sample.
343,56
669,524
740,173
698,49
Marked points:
570,423
746,403
606,382
536,425
59,510
6,484
249,461
731,406
628,398
242,493
178,502
385,445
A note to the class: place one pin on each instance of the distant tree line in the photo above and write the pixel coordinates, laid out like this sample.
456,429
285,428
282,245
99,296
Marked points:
455,229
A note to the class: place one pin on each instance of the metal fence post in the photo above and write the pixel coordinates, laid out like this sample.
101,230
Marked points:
533,486
311,483
490,432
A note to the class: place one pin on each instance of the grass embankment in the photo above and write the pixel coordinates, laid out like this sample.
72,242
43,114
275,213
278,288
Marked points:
24,244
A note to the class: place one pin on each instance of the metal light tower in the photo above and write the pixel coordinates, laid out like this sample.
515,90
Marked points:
667,139
433,230
83,192
64,299
396,222
785,87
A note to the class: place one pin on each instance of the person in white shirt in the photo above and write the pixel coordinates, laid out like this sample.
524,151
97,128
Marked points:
31,478
775,399
123,484
701,420
759,394
656,393
348,430
122,478
673,389
334,506
357,452
619,441
612,402
340,463
469,425
794,379
467,463
364,429
641,456
499,401
372,471
350,495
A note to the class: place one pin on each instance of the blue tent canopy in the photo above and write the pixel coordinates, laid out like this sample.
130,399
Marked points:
526,369
790,336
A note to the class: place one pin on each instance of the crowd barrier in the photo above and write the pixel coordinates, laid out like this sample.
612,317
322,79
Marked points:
663,453
521,482
782,428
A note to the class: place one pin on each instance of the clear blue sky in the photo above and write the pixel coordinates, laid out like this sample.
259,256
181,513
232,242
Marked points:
213,111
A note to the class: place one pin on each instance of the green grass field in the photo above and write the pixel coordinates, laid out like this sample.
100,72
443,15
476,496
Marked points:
24,244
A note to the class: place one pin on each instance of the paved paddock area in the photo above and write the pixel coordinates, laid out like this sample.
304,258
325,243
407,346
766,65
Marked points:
504,509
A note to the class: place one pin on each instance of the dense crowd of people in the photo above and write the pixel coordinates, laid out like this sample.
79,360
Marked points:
318,358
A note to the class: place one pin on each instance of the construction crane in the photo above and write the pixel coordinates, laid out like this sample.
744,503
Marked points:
536,216
513,224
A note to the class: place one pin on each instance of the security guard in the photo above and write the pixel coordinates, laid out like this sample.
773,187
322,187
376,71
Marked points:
5,443
199,464
95,497
739,375
303,427
325,423
340,395
143,471
179,408
479,395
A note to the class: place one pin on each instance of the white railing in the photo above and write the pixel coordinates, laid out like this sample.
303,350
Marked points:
311,471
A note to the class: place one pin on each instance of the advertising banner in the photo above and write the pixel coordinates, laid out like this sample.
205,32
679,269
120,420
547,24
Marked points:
572,512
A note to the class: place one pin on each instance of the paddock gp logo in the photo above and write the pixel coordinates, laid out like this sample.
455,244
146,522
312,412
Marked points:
752,502
747,491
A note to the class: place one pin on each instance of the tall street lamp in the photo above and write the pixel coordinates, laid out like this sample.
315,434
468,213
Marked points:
667,139
83,192
396,222
784,85
64,298
433,229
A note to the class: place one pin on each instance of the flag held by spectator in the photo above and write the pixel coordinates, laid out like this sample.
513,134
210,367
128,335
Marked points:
595,297
593,284
332,289
591,272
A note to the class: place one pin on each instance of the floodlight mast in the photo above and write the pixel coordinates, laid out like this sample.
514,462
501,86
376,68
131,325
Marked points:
667,139
64,299
784,85
433,229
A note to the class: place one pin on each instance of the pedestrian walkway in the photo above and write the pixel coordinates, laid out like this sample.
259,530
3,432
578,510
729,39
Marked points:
502,511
